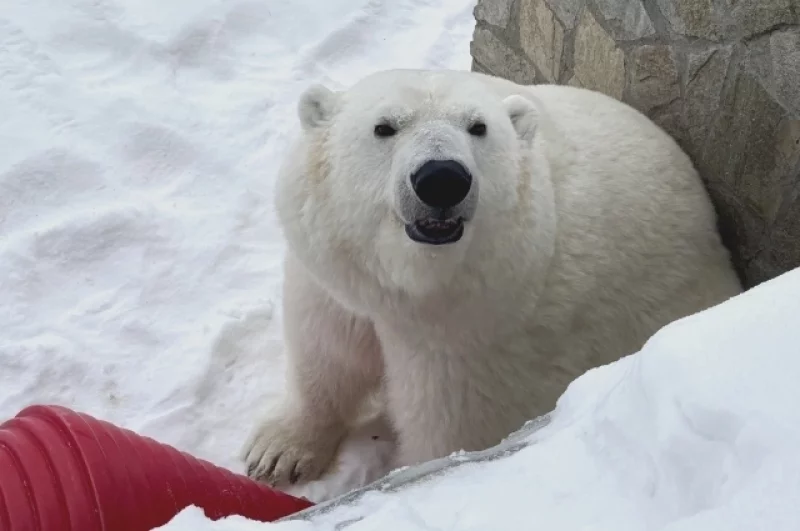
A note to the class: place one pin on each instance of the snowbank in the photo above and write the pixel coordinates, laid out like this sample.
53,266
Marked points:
699,431
140,263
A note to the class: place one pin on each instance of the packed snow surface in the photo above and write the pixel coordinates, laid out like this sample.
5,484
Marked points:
699,431
140,261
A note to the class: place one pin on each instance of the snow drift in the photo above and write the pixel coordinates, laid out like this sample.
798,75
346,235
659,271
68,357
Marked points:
699,431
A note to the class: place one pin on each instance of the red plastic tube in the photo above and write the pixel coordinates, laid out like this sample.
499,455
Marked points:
66,471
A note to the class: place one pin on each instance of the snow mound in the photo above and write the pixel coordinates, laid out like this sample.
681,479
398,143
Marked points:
699,431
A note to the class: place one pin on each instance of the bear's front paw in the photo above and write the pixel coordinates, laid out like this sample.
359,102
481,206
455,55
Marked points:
286,450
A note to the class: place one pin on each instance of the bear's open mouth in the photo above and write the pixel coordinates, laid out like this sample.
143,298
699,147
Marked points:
436,231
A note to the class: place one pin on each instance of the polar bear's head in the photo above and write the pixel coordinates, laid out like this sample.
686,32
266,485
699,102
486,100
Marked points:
409,164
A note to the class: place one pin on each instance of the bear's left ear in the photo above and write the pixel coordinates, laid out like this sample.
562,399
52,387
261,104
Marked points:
523,114
316,106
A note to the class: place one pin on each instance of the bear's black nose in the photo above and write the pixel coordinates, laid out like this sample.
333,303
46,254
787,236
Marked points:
441,183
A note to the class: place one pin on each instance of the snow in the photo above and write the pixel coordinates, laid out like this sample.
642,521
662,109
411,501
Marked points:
698,431
140,261
140,272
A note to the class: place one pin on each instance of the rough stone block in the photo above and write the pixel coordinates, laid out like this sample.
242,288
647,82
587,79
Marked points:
711,125
785,55
654,77
706,71
499,59
599,63
541,37
789,148
757,59
477,67
567,11
670,118
747,148
740,226
628,17
750,17
695,18
494,12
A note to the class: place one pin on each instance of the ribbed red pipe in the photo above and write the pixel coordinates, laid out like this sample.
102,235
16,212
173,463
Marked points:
66,471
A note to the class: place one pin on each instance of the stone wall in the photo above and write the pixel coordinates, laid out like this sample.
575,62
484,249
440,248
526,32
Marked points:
721,76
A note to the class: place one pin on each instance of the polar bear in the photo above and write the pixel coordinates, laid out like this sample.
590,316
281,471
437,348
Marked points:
466,246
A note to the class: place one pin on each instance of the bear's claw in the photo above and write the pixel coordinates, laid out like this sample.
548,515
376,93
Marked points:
282,451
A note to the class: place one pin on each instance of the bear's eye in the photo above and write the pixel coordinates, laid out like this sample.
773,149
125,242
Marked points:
477,129
384,130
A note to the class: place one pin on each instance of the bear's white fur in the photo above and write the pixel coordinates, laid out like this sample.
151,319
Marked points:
589,230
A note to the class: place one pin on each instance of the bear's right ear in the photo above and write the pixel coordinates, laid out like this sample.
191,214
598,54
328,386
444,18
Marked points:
317,105
523,114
